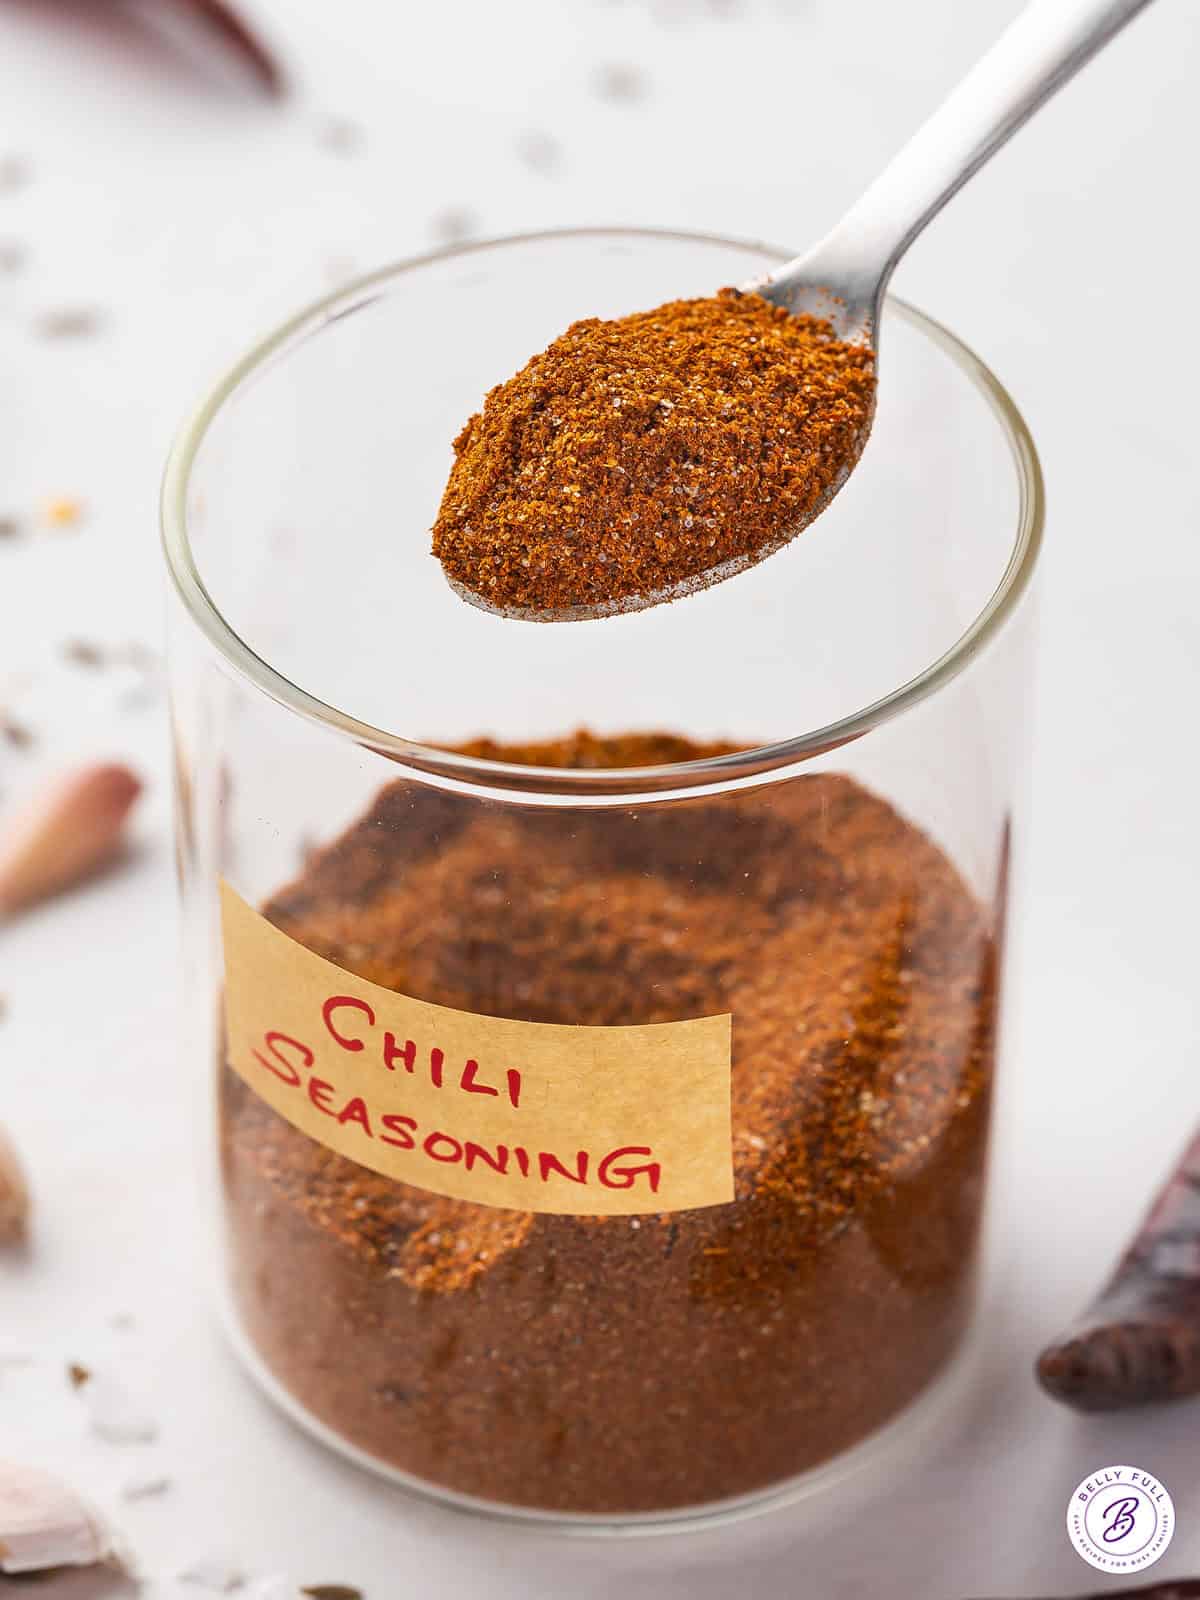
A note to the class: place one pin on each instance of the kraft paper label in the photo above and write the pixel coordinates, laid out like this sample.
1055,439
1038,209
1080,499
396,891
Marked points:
529,1115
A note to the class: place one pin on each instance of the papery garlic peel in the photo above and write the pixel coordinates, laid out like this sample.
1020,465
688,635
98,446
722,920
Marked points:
72,830
44,1524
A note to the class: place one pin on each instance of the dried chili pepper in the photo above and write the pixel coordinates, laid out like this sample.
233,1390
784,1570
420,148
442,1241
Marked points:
1170,1589
219,19
1139,1342
225,22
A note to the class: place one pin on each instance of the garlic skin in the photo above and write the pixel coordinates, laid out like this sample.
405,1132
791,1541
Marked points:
44,1524
71,831
14,1194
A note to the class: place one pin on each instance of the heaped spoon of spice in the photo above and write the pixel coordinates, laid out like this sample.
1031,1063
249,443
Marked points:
640,459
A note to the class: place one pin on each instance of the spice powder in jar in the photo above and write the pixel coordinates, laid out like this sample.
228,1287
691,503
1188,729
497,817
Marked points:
629,1364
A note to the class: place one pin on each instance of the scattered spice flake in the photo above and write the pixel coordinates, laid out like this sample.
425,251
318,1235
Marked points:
332,1591
123,1321
214,1573
83,653
145,1488
15,173
15,733
12,256
541,152
78,1375
454,225
341,136
62,511
69,322
621,82
10,527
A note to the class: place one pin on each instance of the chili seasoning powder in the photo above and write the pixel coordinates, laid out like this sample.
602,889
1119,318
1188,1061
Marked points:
636,456
637,1364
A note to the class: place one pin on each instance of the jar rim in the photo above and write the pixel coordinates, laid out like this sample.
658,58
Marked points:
708,774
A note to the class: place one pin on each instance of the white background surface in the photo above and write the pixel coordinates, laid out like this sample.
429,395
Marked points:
192,216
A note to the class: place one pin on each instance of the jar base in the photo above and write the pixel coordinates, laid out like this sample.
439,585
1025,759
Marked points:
914,1427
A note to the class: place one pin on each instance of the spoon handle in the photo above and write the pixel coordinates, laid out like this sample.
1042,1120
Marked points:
1045,46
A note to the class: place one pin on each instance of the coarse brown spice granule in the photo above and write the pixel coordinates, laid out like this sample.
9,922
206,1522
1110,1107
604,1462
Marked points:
638,455
634,1364
586,751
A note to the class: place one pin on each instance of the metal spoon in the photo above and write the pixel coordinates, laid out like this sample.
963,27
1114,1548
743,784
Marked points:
844,277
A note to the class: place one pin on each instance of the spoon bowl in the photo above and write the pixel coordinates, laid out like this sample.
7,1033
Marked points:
676,591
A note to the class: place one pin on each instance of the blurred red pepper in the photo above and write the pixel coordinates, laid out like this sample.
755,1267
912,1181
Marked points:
214,20
223,21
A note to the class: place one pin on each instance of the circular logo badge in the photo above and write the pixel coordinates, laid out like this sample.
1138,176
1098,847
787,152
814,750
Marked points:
1120,1519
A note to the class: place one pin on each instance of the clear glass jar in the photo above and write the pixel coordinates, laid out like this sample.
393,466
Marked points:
816,850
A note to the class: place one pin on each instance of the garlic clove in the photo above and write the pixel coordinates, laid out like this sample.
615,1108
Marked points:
72,831
45,1524
14,1194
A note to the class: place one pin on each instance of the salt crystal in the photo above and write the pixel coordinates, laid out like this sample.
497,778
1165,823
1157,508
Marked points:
274,1587
114,1414
213,1573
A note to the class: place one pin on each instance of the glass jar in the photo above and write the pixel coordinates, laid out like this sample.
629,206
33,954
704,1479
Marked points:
599,1018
